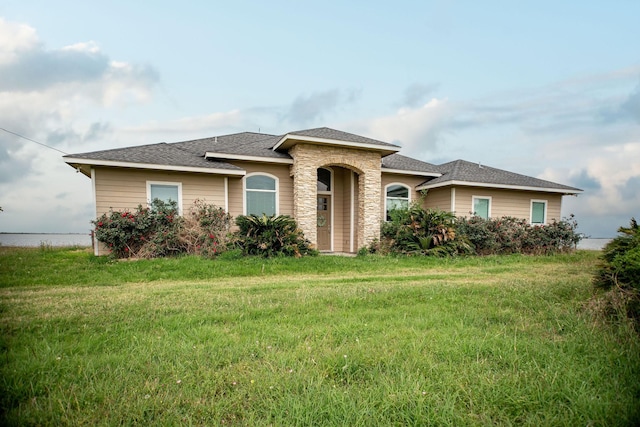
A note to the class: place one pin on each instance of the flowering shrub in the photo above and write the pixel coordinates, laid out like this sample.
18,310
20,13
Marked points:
509,235
271,236
159,231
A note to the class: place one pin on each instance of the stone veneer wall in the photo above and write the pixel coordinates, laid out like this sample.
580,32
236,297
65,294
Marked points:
307,158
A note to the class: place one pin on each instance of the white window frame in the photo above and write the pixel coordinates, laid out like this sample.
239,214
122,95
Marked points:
168,183
473,204
546,205
386,198
276,191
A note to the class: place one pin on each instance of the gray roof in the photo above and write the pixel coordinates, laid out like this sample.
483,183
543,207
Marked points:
259,145
400,162
154,154
244,144
338,135
463,171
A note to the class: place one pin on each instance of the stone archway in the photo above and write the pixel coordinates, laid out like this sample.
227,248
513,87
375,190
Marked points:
307,158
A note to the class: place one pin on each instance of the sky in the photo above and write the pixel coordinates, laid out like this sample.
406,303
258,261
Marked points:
543,88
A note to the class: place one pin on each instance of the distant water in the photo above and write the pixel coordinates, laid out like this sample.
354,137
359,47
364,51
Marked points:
593,244
48,239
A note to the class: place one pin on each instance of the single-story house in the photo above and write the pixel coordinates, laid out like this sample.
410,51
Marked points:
338,186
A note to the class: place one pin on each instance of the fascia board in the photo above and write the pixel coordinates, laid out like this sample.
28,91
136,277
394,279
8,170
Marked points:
324,141
502,186
214,155
118,164
408,172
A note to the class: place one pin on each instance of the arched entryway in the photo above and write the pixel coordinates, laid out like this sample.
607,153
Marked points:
353,201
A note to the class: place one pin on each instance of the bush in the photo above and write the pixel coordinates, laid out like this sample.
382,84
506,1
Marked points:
159,231
270,236
416,231
619,270
508,235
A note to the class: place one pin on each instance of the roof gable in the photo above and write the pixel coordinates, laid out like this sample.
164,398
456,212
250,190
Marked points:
332,137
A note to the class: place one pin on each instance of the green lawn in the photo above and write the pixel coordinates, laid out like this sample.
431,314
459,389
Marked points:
314,341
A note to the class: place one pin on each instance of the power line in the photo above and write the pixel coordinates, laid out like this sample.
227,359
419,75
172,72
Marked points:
33,140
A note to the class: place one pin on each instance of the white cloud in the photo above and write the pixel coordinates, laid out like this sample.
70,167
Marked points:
14,39
417,130
54,95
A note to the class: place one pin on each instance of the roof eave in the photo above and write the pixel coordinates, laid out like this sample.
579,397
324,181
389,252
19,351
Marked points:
214,155
411,172
71,161
289,140
565,191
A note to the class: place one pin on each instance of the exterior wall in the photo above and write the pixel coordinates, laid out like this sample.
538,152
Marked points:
125,189
342,214
438,198
122,189
508,202
308,158
285,186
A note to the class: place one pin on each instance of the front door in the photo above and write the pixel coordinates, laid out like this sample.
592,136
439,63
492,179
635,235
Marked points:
324,222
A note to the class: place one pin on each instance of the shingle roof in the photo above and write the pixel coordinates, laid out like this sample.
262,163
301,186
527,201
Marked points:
338,135
191,154
154,154
400,162
244,144
463,171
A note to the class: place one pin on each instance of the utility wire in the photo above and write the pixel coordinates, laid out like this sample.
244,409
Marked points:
33,140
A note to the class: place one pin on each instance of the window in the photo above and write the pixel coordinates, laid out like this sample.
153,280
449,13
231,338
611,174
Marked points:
482,206
324,180
261,194
538,212
397,198
165,191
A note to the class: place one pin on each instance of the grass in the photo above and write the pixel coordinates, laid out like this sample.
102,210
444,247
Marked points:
313,341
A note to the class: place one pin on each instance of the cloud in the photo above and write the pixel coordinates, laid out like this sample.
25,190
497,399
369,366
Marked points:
631,106
310,108
416,93
49,95
417,130
585,181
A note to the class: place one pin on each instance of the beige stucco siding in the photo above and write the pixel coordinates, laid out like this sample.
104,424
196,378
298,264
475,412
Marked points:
438,198
507,202
285,186
125,189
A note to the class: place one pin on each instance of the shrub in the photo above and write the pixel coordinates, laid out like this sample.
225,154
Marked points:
125,232
509,235
415,230
159,231
269,236
619,270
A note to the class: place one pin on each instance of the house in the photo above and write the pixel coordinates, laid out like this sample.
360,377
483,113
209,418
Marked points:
337,185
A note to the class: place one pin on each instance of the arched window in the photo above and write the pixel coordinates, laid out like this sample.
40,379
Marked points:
261,194
324,180
397,198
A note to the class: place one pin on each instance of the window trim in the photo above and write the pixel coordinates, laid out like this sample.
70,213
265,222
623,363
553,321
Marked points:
168,183
473,204
546,205
276,191
386,197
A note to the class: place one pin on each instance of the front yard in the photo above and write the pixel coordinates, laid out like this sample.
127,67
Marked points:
313,341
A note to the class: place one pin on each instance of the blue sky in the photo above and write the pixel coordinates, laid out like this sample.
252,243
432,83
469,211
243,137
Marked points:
547,89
